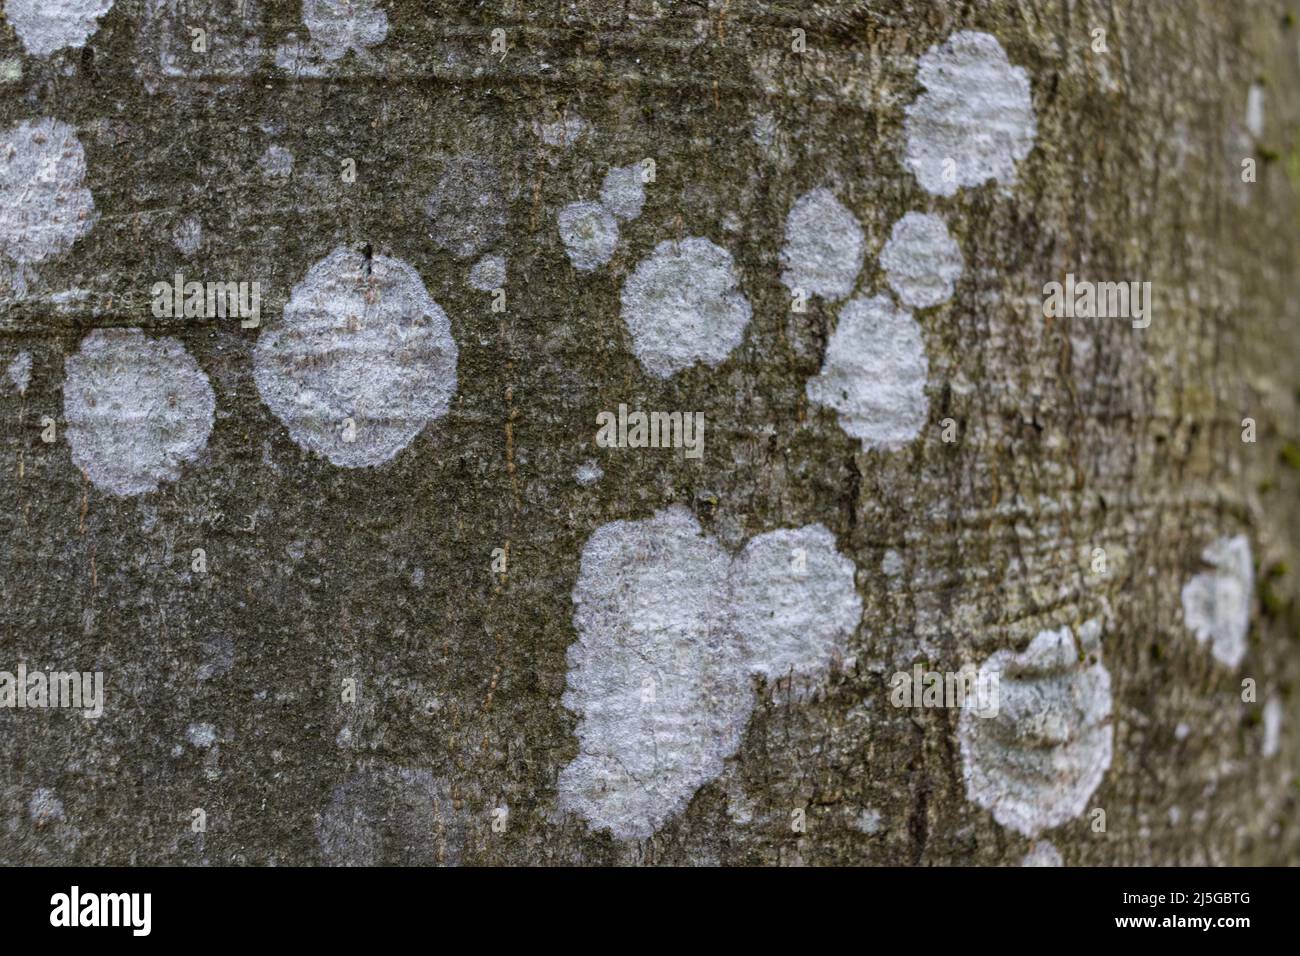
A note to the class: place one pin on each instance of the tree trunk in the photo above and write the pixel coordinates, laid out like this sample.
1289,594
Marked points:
362,583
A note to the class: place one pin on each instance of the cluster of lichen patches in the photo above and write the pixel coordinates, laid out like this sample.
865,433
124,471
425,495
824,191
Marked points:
46,26
136,408
671,631
469,207
335,26
975,120
875,373
361,360
44,206
393,816
589,230
1216,604
1035,762
824,246
922,262
682,305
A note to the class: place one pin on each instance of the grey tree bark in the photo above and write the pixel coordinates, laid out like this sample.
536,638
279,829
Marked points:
1091,465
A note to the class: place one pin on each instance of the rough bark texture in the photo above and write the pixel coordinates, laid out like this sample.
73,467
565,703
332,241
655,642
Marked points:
1072,435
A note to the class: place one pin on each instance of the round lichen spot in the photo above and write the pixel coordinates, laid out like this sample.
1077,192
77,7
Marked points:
875,373
137,409
44,208
921,261
975,120
684,305
361,360
823,247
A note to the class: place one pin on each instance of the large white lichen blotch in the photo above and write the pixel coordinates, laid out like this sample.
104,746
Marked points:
683,305
361,360
975,120
921,260
45,26
44,208
137,409
794,602
589,232
824,246
875,373
655,675
671,632
1035,761
1216,603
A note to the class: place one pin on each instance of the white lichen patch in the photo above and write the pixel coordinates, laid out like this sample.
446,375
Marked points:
188,235
623,192
563,132
467,210
276,163
671,632
44,208
20,371
875,373
336,26
1216,603
136,408
588,473
975,120
824,246
683,305
45,26
361,360
1037,760
488,274
202,735
1042,853
653,674
394,816
921,260
1255,111
45,807
589,232
794,602
1272,727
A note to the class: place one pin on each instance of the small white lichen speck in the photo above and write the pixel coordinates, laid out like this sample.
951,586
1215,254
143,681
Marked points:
1037,760
1272,727
20,371
975,120
137,409
44,208
921,260
875,373
823,247
683,305
623,192
589,232
671,631
361,360
1216,604
45,26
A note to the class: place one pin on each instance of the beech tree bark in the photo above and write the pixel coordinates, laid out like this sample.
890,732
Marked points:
369,664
